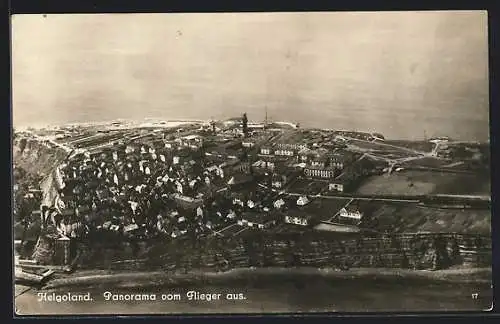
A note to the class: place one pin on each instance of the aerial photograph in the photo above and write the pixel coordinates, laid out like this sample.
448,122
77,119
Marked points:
250,163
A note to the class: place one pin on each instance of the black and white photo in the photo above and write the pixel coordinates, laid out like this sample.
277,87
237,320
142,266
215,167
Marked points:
234,163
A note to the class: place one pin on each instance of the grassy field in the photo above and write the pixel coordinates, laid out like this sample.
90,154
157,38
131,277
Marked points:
411,218
308,186
422,183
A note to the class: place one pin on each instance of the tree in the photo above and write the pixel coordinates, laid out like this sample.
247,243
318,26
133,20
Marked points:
245,125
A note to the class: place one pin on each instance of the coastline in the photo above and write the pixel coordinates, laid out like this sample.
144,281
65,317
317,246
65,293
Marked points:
121,279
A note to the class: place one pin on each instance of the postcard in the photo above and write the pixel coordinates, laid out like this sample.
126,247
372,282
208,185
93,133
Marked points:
243,163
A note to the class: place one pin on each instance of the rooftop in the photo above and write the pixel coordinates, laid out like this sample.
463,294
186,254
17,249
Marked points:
318,207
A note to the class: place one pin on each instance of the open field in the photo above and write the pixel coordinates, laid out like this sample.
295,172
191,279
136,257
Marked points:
308,186
426,162
422,183
381,146
413,218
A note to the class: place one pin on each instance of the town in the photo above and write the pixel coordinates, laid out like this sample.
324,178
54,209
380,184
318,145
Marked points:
98,195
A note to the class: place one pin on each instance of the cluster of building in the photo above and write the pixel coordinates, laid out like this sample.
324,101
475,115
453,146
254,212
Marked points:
302,213
342,168
148,187
154,183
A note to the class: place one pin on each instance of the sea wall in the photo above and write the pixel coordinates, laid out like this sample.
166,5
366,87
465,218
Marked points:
406,251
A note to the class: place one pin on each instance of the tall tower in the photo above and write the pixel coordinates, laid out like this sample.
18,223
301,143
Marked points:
265,120
244,121
212,125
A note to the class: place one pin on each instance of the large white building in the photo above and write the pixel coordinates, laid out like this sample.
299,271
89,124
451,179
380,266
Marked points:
284,152
319,172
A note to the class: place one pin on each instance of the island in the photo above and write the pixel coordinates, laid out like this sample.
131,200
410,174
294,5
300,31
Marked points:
120,201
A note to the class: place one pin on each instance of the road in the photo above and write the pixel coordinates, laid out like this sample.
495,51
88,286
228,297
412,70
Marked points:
388,145
355,197
338,212
221,232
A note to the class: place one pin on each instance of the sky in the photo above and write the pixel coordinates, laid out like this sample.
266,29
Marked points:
398,72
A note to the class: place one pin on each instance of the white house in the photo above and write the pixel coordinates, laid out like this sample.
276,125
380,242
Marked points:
277,184
231,215
298,217
237,201
264,164
336,187
250,204
296,220
302,201
279,203
352,214
265,150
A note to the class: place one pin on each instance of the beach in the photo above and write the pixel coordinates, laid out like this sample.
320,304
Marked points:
272,290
